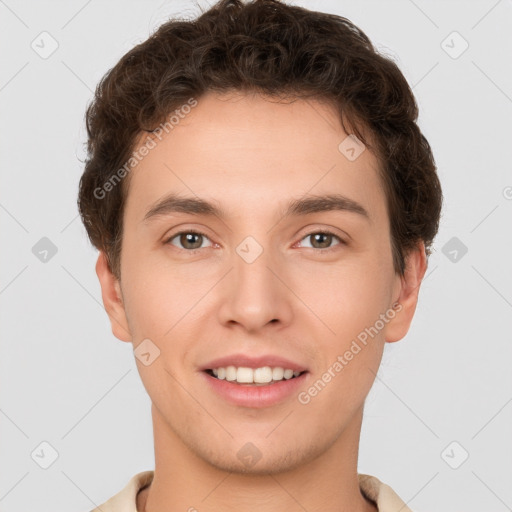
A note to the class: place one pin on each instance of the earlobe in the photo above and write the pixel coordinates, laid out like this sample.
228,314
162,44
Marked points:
416,265
112,299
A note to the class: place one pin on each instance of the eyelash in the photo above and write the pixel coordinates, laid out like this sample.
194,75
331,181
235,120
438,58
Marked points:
194,232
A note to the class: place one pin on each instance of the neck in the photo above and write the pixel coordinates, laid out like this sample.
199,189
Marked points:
184,481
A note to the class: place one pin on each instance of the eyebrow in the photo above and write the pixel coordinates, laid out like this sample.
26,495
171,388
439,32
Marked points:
174,203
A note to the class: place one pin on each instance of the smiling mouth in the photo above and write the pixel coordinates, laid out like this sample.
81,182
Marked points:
233,380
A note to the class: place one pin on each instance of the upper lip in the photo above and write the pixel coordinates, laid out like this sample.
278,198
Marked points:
253,362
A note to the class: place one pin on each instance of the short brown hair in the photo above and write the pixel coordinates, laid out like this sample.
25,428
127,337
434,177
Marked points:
275,49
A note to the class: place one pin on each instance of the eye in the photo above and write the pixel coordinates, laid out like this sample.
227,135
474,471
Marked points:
322,240
193,240
190,240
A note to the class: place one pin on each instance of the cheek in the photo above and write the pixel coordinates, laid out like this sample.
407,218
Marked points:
349,352
156,292
350,302
152,303
349,297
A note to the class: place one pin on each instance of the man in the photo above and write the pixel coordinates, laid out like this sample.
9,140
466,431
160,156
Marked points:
264,204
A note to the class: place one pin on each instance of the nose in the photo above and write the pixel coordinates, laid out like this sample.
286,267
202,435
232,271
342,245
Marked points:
254,293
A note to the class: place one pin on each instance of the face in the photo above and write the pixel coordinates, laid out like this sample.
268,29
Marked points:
259,278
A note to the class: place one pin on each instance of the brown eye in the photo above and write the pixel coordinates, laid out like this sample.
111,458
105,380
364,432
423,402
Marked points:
189,240
323,239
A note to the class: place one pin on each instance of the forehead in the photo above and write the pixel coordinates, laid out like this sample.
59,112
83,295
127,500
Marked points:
251,153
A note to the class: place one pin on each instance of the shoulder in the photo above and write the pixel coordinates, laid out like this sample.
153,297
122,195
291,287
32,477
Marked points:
386,499
125,500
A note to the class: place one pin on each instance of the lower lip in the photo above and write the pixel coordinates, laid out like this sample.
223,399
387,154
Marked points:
255,396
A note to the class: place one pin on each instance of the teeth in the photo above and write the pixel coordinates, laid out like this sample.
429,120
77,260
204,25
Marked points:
277,373
264,375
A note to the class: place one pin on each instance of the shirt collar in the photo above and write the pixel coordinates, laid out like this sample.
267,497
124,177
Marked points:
381,494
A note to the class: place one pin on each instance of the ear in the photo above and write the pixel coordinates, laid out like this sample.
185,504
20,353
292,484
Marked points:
406,294
112,299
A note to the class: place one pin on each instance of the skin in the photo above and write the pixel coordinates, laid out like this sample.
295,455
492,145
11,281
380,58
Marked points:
252,156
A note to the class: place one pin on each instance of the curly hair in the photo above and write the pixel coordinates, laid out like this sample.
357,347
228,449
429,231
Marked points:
275,49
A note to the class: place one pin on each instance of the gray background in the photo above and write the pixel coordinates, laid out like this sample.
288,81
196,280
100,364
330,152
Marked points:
67,381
